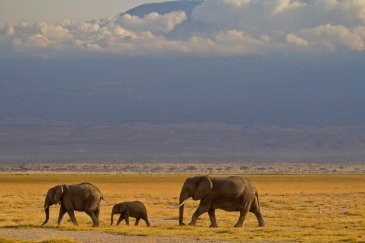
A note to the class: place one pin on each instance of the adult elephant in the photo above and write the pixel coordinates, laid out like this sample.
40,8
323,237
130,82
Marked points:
80,197
230,194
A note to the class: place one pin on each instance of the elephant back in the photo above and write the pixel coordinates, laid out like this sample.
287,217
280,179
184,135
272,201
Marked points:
232,187
140,204
249,186
94,190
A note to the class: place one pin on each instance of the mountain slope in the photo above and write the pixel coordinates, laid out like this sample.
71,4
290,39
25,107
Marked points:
163,8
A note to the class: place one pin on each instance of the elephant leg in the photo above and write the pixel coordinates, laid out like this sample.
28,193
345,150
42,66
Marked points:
199,211
243,213
242,217
93,217
71,213
60,215
92,208
137,221
121,217
255,209
147,222
127,217
127,220
97,212
213,222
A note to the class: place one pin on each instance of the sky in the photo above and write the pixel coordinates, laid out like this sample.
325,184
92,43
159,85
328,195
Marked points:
228,27
250,63
52,11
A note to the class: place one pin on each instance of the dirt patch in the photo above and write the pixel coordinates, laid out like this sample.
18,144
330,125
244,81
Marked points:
87,236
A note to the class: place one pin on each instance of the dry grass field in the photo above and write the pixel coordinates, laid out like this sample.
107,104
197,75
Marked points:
297,208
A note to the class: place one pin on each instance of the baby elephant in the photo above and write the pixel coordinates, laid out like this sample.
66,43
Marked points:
134,209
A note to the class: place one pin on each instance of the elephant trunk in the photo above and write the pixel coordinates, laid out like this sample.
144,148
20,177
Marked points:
181,215
111,219
181,208
47,204
112,216
46,210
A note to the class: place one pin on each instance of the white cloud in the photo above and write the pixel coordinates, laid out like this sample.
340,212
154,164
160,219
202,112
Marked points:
331,36
236,3
36,42
285,15
153,22
352,8
218,27
54,32
286,5
231,42
297,41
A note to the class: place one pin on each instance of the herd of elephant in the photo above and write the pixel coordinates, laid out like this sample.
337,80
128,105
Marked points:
230,194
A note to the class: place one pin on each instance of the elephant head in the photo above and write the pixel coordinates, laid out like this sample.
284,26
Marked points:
195,187
117,208
53,196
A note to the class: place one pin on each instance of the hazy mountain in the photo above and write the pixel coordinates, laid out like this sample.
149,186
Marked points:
161,109
181,31
163,8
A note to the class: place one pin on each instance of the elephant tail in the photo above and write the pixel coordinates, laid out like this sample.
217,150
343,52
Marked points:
257,198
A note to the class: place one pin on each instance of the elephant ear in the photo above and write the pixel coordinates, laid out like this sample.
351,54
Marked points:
58,192
203,188
119,208
123,207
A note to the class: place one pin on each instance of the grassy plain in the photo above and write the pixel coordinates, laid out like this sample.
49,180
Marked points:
300,208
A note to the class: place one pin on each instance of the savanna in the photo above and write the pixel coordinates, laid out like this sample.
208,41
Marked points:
300,208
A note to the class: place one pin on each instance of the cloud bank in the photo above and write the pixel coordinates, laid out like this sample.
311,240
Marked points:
216,27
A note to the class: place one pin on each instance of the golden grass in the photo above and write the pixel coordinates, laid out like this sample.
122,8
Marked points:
302,208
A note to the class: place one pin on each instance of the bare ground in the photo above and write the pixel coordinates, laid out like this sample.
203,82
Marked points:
87,236
184,168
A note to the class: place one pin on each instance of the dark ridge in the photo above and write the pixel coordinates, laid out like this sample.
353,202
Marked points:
163,8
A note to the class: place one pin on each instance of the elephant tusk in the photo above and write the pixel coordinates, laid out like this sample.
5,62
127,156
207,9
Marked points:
181,204
177,205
